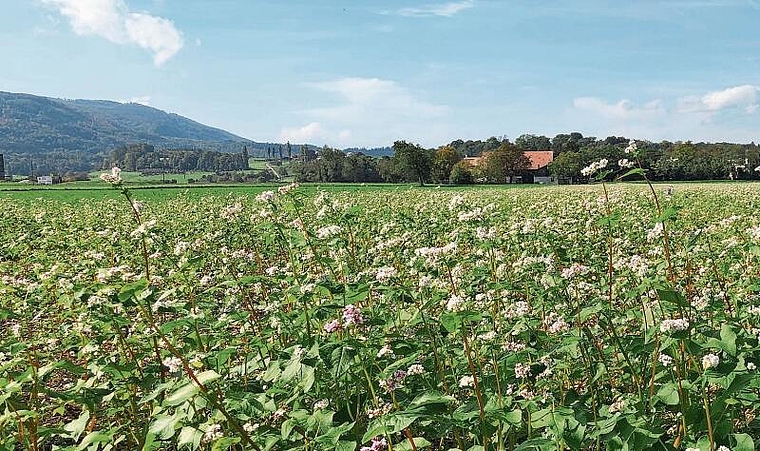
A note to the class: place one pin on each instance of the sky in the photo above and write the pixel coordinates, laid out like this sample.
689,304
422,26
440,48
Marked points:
356,73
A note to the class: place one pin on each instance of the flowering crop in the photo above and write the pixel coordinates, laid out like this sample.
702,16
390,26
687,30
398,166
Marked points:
489,319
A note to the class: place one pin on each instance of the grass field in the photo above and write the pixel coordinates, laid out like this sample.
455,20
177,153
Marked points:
617,316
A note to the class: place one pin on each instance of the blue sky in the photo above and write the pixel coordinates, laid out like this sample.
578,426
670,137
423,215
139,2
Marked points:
366,73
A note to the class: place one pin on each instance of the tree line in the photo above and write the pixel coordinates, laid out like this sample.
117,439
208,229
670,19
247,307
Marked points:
146,158
501,160
413,163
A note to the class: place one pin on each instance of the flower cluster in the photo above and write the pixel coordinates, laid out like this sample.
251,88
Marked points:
594,167
378,444
669,326
352,315
710,361
393,382
113,178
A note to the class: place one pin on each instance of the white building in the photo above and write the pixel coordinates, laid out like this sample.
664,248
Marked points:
45,180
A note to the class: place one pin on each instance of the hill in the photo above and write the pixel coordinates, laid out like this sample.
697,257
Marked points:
32,124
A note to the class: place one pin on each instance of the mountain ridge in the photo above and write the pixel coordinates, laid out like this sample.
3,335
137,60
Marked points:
38,124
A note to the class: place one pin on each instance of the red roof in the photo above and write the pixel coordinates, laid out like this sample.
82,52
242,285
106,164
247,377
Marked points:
539,158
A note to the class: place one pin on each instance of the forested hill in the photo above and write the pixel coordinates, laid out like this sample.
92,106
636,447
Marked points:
34,124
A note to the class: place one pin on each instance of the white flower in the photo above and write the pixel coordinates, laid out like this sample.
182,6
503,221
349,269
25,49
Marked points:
385,350
665,359
617,406
626,163
321,404
266,196
674,325
594,167
710,361
113,178
415,369
328,231
173,364
655,233
251,427
232,211
632,147
574,270
143,228
485,233
466,381
385,273
287,188
723,448
751,366
455,303
214,432
522,370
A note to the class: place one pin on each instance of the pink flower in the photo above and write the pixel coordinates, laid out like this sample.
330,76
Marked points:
332,326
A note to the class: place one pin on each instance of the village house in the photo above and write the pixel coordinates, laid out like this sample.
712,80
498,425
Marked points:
537,172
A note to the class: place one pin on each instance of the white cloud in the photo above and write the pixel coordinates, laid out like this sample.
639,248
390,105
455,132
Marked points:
744,96
370,112
155,34
437,9
695,117
624,109
112,20
306,134
365,98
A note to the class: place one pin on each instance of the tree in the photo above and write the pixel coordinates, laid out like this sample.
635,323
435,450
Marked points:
533,142
461,174
566,143
413,160
566,165
444,160
505,162
245,158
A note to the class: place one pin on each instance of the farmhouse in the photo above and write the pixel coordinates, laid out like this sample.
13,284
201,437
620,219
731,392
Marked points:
537,172
45,180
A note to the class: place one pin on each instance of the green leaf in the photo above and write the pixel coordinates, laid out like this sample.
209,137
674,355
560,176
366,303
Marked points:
130,290
190,437
668,394
728,338
94,437
419,442
636,171
163,426
743,443
287,427
673,297
390,424
78,426
669,213
224,443
190,389
182,394
431,397
345,446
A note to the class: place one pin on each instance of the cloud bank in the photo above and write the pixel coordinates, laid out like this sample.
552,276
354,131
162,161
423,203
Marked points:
372,108
723,114
437,10
112,20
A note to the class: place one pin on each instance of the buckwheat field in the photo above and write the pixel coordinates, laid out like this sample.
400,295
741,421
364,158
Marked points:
616,316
